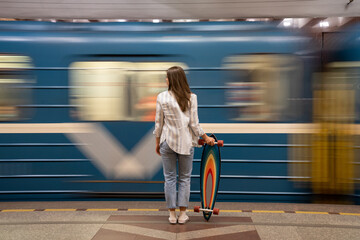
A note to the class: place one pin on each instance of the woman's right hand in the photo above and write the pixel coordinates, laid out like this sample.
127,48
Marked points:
157,146
157,149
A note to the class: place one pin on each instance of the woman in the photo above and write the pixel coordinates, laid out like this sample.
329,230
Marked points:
177,131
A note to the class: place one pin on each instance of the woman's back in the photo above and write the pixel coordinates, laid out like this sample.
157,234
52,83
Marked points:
178,130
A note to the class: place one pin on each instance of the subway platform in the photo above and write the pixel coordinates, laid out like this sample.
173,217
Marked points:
108,220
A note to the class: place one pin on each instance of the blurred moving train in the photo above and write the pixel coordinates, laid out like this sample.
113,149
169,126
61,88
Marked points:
77,104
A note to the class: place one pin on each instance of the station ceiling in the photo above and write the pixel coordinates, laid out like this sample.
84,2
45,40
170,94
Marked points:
176,9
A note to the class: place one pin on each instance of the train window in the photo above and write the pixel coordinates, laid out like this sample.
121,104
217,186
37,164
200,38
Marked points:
115,91
100,90
262,85
14,86
342,80
147,81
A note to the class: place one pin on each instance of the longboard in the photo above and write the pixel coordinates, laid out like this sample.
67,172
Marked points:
209,177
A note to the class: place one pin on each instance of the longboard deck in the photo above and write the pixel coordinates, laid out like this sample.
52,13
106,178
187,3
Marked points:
209,177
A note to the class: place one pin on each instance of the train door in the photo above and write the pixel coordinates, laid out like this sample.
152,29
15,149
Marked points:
334,143
327,151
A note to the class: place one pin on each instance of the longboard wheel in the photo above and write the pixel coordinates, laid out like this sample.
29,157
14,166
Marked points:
201,141
220,143
216,211
197,209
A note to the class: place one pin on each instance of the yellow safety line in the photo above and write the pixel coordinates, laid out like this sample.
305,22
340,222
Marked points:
230,211
353,214
142,210
306,212
267,211
104,209
18,210
60,210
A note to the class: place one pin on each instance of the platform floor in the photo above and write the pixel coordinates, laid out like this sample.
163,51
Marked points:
148,220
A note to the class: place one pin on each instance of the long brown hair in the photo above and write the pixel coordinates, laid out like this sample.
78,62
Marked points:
179,86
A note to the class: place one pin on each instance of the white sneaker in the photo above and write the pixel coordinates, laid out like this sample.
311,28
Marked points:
172,218
183,218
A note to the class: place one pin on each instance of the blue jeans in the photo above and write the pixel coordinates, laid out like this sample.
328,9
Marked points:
169,159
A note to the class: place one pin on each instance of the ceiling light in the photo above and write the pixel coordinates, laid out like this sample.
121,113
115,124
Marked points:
324,24
179,20
287,22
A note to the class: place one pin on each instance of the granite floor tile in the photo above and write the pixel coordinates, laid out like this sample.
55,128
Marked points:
329,233
278,233
105,234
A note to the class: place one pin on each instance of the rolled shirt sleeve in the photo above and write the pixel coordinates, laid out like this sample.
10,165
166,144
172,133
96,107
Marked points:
194,118
159,118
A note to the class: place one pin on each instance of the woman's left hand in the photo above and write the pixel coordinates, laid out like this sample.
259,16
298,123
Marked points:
209,141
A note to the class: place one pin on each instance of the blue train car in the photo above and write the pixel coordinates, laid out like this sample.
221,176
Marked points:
78,100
